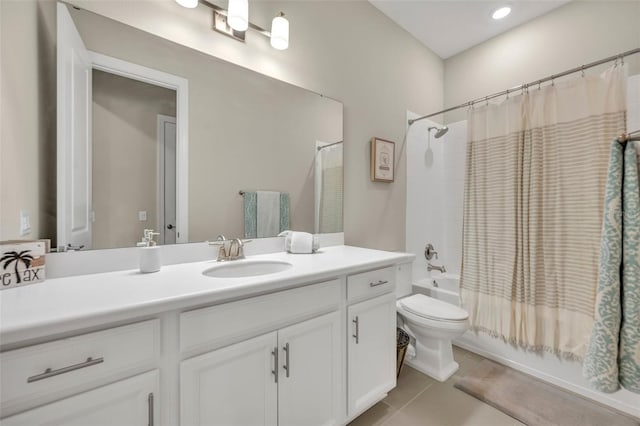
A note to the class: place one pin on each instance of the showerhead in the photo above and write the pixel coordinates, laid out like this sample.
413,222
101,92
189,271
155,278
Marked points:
440,131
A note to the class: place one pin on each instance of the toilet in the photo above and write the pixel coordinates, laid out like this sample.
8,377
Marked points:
434,324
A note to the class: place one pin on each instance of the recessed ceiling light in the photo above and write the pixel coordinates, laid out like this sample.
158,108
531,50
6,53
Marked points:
501,13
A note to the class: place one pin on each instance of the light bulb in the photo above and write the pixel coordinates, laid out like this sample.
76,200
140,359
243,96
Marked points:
280,32
238,15
501,13
188,3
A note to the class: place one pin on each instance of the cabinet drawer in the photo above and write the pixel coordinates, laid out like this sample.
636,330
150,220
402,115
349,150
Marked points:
38,374
371,283
219,325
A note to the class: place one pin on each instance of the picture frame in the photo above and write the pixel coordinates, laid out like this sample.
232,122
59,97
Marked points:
382,160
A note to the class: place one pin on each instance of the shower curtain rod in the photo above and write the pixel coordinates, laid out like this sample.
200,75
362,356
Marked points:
533,83
327,146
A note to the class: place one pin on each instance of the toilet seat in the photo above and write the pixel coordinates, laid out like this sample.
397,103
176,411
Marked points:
432,309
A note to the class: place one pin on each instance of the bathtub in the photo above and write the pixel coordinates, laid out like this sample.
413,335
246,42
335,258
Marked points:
445,287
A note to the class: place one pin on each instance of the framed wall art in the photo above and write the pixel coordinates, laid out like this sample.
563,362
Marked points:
382,160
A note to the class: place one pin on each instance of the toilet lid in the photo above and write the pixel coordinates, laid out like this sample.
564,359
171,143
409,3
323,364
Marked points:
428,307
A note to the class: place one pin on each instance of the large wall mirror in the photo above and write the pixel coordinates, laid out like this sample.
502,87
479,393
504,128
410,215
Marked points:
251,141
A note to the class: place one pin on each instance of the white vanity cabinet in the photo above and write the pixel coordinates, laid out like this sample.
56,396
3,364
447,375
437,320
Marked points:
289,376
371,353
313,346
93,378
129,402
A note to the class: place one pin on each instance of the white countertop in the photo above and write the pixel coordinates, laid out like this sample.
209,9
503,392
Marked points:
65,304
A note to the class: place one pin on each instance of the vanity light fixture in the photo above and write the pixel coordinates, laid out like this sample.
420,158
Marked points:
190,4
229,21
280,32
238,15
501,12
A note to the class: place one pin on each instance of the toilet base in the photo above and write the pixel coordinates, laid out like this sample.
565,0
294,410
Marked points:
440,375
434,358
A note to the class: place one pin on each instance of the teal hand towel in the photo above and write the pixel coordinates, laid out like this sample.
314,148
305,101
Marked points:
600,364
250,214
629,357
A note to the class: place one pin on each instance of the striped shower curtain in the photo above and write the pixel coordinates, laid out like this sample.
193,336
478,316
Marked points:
535,177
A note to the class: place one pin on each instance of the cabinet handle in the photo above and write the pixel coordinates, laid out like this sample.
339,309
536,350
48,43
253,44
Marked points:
150,404
50,373
274,352
356,321
285,348
380,282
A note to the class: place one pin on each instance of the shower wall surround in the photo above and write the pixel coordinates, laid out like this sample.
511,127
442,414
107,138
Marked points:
435,183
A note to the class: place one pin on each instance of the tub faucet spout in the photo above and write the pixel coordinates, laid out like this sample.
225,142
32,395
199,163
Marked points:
431,267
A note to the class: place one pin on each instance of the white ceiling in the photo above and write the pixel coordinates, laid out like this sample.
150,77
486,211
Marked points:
450,26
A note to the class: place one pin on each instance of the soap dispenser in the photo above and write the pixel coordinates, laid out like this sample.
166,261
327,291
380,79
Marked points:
149,253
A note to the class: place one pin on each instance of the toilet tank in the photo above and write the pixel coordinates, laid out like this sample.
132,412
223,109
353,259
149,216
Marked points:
404,279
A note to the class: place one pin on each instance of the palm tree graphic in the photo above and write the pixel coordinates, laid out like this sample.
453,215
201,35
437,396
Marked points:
13,256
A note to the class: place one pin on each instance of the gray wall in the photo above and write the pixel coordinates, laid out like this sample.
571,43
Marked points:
28,117
345,50
574,34
124,126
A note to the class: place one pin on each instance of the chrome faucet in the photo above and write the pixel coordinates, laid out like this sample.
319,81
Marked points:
229,249
431,267
429,253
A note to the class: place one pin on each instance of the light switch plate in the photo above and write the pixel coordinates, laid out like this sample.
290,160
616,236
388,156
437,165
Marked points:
142,215
25,223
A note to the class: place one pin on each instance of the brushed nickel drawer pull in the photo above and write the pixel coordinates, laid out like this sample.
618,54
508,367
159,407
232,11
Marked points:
274,352
286,362
50,373
356,321
150,406
380,282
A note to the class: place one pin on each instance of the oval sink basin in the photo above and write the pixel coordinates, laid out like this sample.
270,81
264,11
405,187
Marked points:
248,268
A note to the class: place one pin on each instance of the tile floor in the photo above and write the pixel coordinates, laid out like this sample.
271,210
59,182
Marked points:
419,400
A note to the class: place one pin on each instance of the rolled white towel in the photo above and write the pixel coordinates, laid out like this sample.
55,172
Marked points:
300,242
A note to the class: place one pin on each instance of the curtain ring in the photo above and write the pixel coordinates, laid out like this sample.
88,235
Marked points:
539,82
582,71
507,93
486,100
621,60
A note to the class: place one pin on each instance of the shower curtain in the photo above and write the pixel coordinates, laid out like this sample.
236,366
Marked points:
534,184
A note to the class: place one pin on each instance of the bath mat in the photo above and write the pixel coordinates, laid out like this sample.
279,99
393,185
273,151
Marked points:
535,402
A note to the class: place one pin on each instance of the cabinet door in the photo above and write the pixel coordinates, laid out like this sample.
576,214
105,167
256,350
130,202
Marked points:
129,402
309,381
234,385
371,352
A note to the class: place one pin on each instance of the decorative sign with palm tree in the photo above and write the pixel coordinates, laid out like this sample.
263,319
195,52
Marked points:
21,265
15,257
